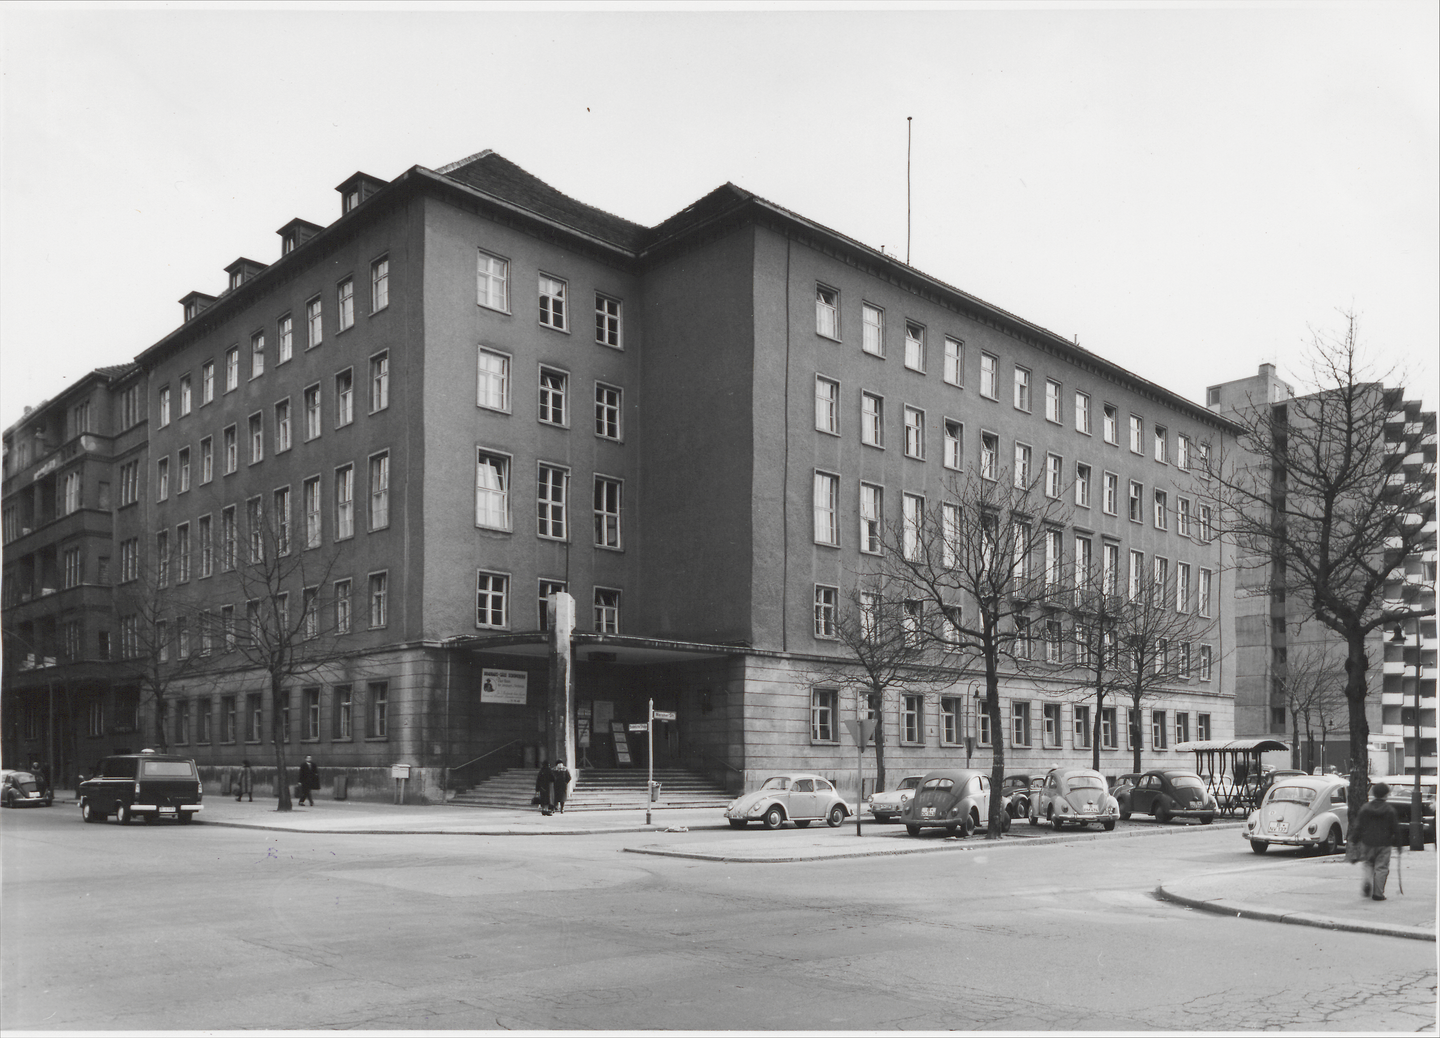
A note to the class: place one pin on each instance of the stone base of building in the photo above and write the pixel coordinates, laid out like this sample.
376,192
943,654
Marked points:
372,785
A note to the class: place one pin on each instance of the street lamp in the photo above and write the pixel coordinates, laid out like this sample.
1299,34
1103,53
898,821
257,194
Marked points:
1417,822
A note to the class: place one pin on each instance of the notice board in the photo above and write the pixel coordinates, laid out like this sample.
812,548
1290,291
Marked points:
622,743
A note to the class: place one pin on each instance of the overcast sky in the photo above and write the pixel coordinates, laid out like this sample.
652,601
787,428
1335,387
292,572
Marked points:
1190,190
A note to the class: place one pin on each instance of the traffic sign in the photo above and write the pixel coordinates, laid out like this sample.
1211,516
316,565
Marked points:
663,715
639,727
861,731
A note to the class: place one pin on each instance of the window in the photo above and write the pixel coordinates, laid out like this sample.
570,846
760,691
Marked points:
1053,404
1054,475
1111,424
1107,728
1053,644
493,387
491,596
607,321
282,521
1182,587
207,461
1202,593
129,483
377,712
207,548
1203,524
379,596
72,567
344,502
1137,502
1137,574
1162,442
827,405
254,717
227,718
312,412
1185,660
607,610
182,557
1080,727
492,491
1082,413
1022,389
257,438
285,338
989,372
257,354
232,452
1137,434
254,522
827,497
182,722
1111,502
607,411
1162,511
952,724
162,481
492,282
912,510
202,721
1182,516
989,455
1054,559
548,588
312,512
1082,485
1182,728
1020,728
1202,726
1051,714
954,361
232,368
207,382
954,444
1161,580
310,725
825,604
984,715
164,406
1157,730
1132,728
380,284
380,381
314,328
915,433
950,535
1022,466
344,712
380,491
827,312
872,503
187,398
1206,663
872,419
344,398
873,320
912,720
342,607
553,388
914,346
552,303
607,512
1110,569
1182,451
130,407
822,715
550,502
1020,541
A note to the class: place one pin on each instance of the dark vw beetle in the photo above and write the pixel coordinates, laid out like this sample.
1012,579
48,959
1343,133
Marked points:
1172,793
22,787
957,799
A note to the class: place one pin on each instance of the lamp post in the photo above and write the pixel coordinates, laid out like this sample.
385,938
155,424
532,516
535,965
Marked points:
1417,821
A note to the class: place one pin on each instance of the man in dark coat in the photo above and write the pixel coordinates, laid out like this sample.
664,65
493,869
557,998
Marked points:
245,782
562,784
545,787
309,781
1375,830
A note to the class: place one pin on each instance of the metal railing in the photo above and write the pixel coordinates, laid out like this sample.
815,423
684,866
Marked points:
451,772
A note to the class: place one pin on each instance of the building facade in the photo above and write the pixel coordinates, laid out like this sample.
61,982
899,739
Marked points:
471,391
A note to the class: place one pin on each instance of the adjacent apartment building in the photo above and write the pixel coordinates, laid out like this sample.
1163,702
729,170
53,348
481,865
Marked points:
471,391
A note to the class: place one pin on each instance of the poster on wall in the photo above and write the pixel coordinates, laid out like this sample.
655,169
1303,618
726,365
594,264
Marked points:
503,686
582,725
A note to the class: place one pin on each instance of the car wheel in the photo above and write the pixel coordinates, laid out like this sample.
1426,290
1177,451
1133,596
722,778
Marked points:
122,814
1332,841
774,817
803,823
1109,825
1259,846
1004,825
1034,821
49,799
1160,813
1207,819
1124,815
89,813
968,829
836,817
1055,821
737,823
913,830
185,817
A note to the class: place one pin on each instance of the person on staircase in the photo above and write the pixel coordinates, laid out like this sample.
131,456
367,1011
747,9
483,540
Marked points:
562,784
544,787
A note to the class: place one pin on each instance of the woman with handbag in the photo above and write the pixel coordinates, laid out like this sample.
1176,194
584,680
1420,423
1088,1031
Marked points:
544,787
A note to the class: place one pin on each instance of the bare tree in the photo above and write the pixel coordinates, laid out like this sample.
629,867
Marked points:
1318,491
1314,698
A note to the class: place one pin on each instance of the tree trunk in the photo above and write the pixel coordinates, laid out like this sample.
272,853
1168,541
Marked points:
1095,733
277,738
878,704
160,740
1356,664
1137,731
997,745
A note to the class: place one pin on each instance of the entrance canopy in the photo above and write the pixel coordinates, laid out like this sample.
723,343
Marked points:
598,648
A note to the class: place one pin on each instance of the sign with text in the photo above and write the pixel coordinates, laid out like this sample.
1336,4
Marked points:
663,715
503,686
639,727
622,747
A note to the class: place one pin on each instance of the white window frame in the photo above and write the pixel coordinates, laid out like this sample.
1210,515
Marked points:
379,381
873,329
1054,402
827,405
1135,502
344,502
607,609
608,512
1083,475
492,281
284,431
912,521
314,322
1137,435
1023,377
553,302
872,419
492,600
954,444
1162,509
551,505
489,382
257,354
379,470
609,411
546,394
378,586
1162,444
609,327
915,346
379,284
285,339
827,312
344,397
494,499
872,518
1082,413
914,433
955,361
1110,424
827,508
824,708
827,603
989,455
1054,476
989,376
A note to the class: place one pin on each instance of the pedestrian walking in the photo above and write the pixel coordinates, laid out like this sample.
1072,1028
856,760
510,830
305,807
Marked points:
544,787
42,777
309,781
245,782
1375,830
562,784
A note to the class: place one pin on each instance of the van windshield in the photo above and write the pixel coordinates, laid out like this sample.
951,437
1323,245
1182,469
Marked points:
167,769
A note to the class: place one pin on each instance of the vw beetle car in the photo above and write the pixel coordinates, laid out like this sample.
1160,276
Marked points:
149,784
1019,790
798,797
1401,790
1074,796
887,805
1168,794
957,799
21,787
1300,811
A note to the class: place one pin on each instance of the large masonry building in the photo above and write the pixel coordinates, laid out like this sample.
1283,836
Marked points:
470,392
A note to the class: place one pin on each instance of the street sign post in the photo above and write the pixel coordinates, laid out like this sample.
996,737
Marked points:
663,715
862,731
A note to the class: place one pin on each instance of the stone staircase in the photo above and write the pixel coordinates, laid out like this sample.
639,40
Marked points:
600,789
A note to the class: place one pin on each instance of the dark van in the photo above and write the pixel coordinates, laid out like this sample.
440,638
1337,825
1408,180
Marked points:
151,785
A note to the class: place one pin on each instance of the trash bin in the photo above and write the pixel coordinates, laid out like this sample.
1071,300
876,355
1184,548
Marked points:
225,781
342,787
654,792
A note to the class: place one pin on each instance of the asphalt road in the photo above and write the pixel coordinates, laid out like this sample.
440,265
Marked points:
202,927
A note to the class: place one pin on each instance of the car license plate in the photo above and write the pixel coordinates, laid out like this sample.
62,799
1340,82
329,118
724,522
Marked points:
167,810
927,812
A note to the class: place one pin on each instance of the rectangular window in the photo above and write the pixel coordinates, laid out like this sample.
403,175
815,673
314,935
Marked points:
312,512
873,319
1182,728
872,419
989,455
1051,712
607,512
548,588
952,725
164,407
344,398
285,339
493,386
162,483
1206,663
282,521
312,412
1084,566
379,599
607,610
282,426
1182,587
912,720
954,444
310,725
492,282
1082,413
1161,581
344,502
1182,516
552,303
1110,569
1020,541
380,381
989,376
1020,728
255,527
984,716
550,502
380,491
1157,730
1137,434
1111,502
827,405
310,615
342,607
1137,502
827,498
186,401
822,715
491,597
130,482
825,604
257,438
1133,735
257,354
1111,423
872,503
492,491
162,558
1162,511
207,382
1052,401
1022,389
915,433
1162,444
1202,593
207,460
72,565
1054,559
232,450
1185,661
207,551
313,326
554,387
227,718
182,555
607,321
344,712
377,709
1202,727
1081,727
827,312
1107,728
1054,475
1202,526
232,368
950,535
1082,485
914,346
1022,466
380,284
912,510
912,619
1137,574
607,411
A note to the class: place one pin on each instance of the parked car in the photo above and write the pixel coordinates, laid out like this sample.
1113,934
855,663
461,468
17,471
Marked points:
797,797
1401,787
1301,811
957,799
1074,796
149,784
1019,789
19,788
1267,780
1125,782
887,804
1168,794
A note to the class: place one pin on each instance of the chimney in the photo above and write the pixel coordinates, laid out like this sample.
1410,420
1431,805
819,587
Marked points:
359,187
194,302
296,233
241,271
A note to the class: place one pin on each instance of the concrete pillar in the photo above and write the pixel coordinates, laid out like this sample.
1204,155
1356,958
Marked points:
560,712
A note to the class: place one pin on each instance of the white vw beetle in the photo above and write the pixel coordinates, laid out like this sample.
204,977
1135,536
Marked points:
1074,796
797,796
1301,811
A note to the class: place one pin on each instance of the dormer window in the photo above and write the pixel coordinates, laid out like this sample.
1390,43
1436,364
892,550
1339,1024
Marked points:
356,189
352,199
287,245
295,234
236,278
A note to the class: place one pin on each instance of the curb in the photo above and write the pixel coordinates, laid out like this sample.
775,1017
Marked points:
437,832
1243,910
